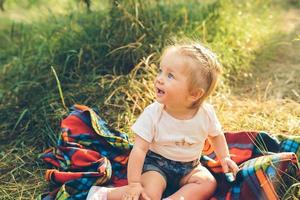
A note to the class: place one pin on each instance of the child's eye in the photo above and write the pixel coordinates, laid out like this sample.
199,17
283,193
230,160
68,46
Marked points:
170,76
159,71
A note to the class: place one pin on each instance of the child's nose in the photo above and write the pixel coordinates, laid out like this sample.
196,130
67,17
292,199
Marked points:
159,79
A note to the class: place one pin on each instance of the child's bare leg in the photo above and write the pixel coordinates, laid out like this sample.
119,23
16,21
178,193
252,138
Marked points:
116,193
152,181
154,184
106,193
197,185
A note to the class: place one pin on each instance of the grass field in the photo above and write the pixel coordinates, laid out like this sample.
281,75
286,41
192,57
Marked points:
107,58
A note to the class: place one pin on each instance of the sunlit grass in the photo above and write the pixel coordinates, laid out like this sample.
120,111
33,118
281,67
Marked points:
31,11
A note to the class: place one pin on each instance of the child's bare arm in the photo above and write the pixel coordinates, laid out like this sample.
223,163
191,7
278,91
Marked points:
134,170
221,149
136,160
220,146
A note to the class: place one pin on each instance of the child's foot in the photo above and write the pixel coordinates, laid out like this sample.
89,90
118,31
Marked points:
181,198
97,193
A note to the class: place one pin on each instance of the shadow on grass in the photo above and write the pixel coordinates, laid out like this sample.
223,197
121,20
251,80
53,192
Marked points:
274,72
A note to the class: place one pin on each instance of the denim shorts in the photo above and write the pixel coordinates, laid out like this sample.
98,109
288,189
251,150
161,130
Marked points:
172,171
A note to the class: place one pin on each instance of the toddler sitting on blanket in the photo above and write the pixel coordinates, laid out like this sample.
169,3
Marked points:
170,133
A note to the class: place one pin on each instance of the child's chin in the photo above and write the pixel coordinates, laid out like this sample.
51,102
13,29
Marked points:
159,100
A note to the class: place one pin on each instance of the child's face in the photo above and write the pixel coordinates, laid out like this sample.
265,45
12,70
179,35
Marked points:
171,84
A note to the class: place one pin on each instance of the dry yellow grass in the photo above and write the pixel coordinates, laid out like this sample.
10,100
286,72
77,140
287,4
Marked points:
267,98
274,116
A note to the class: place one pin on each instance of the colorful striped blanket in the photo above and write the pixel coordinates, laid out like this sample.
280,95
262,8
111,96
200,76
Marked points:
89,153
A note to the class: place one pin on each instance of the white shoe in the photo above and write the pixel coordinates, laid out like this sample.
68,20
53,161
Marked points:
97,193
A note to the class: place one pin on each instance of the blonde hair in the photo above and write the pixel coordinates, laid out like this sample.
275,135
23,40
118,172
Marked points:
205,73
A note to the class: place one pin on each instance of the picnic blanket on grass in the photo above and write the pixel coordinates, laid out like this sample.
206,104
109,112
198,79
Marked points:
89,152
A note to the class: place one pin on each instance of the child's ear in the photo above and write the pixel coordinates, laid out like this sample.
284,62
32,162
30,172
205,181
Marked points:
196,94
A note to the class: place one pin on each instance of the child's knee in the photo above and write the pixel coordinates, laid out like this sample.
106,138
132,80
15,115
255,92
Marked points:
154,195
153,192
209,183
213,183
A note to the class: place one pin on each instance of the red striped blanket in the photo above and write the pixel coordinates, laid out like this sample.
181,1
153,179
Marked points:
89,153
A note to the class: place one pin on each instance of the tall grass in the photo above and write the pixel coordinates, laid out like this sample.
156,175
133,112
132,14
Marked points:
83,47
106,59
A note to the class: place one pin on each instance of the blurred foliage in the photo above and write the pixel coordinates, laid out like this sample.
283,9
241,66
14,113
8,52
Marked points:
85,46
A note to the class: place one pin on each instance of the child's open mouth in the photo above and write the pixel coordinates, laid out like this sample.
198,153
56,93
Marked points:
159,92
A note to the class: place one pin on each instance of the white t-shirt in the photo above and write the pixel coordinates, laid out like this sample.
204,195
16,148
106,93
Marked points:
174,139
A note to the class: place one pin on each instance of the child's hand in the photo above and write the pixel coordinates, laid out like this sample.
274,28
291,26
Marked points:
229,165
135,190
